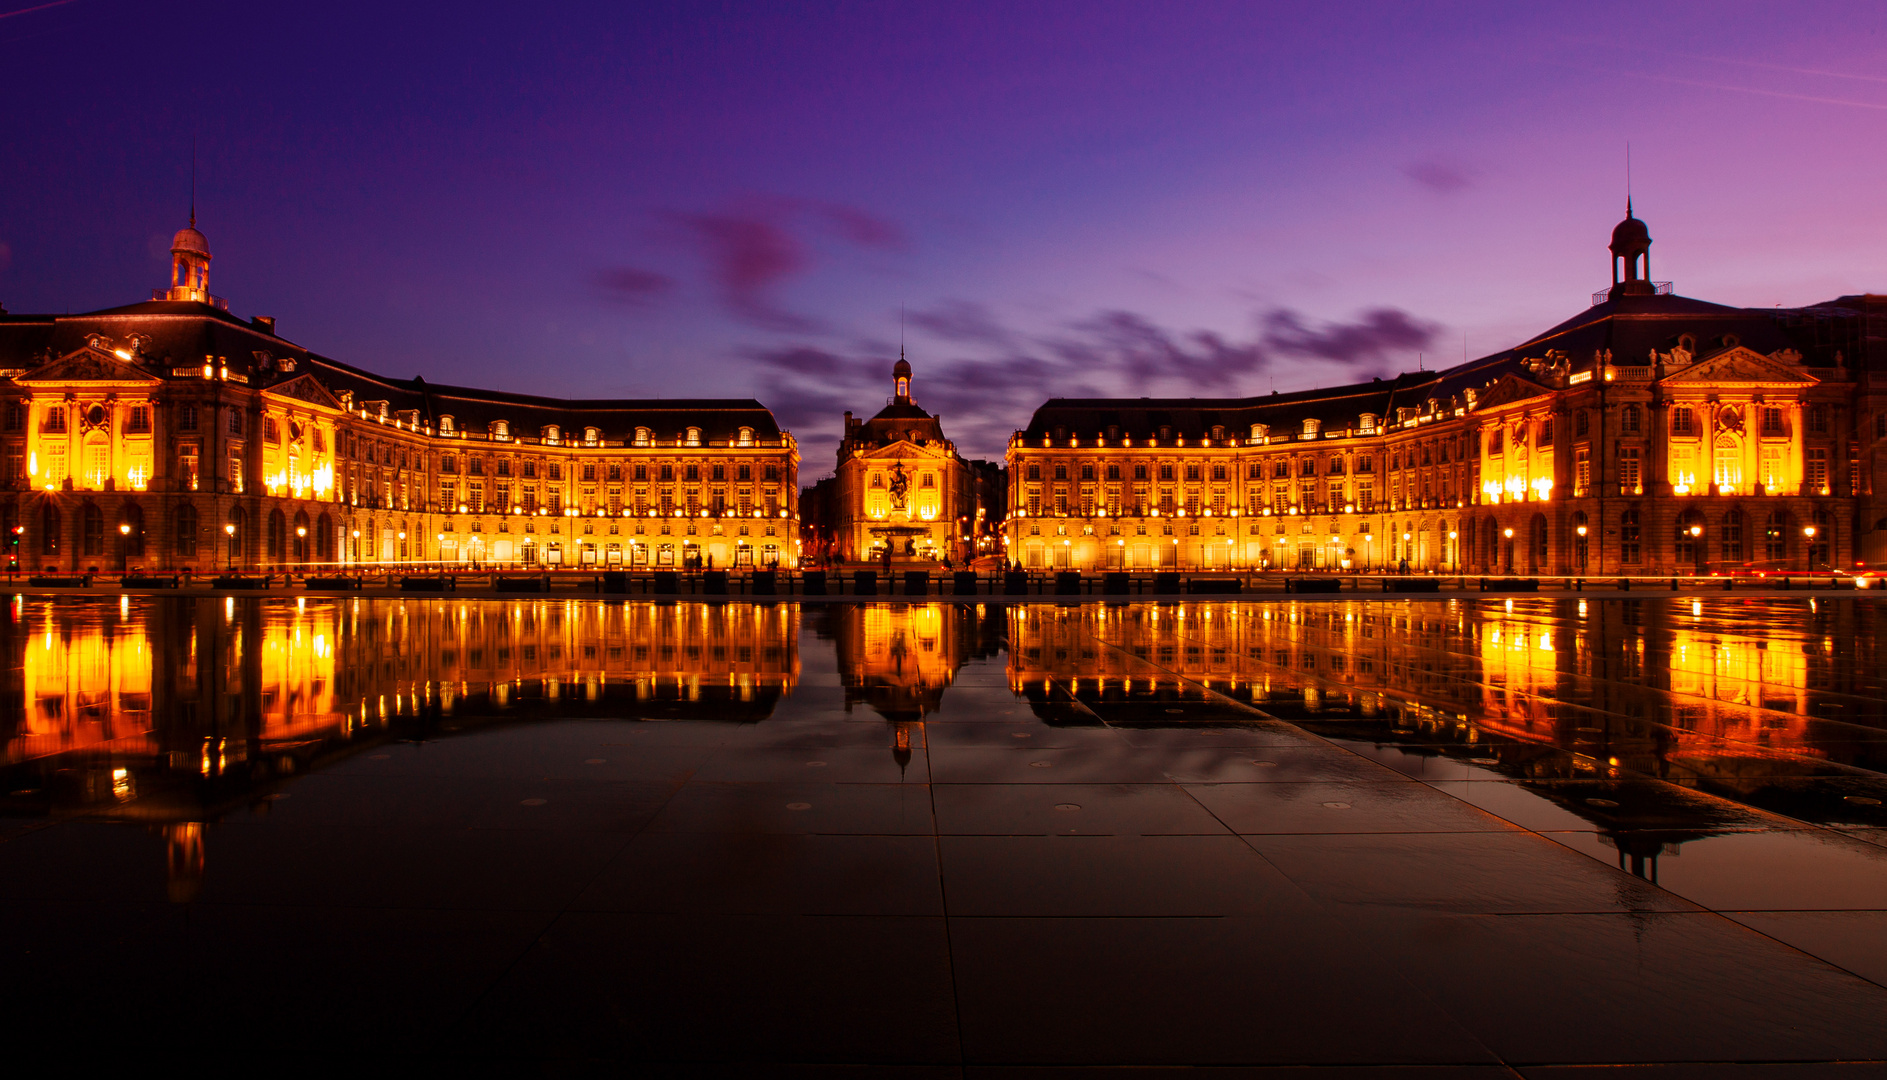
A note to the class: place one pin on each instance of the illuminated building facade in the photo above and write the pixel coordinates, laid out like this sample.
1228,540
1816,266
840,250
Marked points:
171,435
1649,434
902,487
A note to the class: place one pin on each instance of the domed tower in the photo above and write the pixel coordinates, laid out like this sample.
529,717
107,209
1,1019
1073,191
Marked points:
190,264
901,381
1631,245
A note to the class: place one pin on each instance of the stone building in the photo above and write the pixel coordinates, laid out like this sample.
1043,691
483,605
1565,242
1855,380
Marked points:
1650,433
901,486
171,435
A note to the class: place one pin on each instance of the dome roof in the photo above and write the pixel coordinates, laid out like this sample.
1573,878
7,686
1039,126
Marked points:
1630,235
901,370
189,239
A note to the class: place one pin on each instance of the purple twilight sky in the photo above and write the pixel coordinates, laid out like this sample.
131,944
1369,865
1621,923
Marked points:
725,199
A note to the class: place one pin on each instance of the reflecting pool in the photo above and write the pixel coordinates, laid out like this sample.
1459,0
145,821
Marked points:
1352,775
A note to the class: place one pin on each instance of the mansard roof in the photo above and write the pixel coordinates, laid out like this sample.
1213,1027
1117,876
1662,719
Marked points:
164,334
1626,329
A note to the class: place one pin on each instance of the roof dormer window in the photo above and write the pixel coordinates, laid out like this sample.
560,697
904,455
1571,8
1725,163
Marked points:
746,436
1311,428
692,437
447,425
642,436
551,433
501,429
1366,424
591,436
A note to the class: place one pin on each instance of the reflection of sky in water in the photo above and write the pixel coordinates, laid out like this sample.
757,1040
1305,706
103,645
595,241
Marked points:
175,709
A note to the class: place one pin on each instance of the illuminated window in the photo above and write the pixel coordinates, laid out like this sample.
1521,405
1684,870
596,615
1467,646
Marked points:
1728,470
1683,420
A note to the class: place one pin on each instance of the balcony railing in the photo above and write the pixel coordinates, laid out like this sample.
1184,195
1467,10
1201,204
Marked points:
1662,288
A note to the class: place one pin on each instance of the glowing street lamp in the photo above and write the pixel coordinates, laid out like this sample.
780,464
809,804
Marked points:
124,545
229,556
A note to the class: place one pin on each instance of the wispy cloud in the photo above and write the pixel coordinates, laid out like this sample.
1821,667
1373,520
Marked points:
1441,177
991,376
632,285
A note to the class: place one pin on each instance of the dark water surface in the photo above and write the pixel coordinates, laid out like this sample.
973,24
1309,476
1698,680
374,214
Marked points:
1490,836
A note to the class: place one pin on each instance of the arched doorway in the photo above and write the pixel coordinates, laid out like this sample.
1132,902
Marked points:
277,533
1731,538
186,531
91,529
1538,546
131,530
1690,547
324,538
233,530
298,544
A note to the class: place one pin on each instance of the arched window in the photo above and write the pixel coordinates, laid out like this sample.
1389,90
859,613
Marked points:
234,535
1730,537
97,466
1728,471
1630,538
50,525
276,528
131,515
186,529
91,529
324,538
1538,544
1776,536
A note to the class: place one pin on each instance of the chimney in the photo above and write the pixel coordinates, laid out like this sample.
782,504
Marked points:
264,323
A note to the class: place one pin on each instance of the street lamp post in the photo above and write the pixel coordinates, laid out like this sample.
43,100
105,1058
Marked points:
124,547
301,543
1808,549
229,547
1697,548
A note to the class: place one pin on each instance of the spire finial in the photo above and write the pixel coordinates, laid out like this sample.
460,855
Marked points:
193,181
1628,178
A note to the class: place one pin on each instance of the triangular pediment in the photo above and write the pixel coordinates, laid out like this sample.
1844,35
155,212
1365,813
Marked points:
1739,366
88,365
1508,389
307,389
905,449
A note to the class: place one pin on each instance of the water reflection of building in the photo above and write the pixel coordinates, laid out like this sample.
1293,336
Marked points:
1672,689
898,659
106,699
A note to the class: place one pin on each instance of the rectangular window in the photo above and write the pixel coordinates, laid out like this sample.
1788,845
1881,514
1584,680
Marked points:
1818,419
1365,494
1630,537
235,470
1683,469
1774,468
55,419
1630,482
235,421
139,422
1772,423
477,497
1816,479
1582,471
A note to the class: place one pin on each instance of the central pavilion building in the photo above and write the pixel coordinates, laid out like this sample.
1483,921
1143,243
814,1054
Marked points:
1650,433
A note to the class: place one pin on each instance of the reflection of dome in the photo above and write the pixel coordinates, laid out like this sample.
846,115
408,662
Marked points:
190,240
